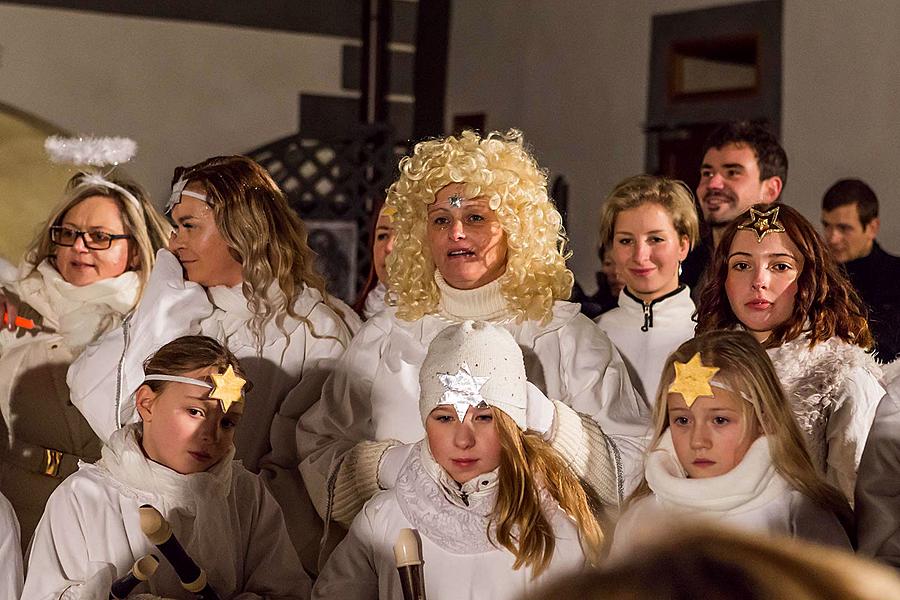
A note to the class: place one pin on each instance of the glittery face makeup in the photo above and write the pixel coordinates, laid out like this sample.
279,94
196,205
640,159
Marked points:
200,247
78,264
467,243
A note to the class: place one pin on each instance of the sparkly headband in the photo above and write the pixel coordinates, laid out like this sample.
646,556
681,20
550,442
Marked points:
762,222
178,191
98,180
693,379
227,387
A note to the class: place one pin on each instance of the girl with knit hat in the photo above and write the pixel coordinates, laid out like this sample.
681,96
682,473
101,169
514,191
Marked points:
726,447
476,238
497,509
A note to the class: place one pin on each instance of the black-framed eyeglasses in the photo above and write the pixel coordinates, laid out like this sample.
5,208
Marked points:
93,240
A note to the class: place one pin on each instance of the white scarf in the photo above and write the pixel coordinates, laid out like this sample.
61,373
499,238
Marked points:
80,314
375,301
195,505
752,483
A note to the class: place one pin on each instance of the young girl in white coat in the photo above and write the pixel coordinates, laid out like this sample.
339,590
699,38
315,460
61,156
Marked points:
497,509
726,447
179,460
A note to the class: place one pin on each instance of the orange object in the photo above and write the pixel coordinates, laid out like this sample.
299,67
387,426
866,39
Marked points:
20,321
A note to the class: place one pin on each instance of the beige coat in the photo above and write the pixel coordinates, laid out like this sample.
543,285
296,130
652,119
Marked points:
42,435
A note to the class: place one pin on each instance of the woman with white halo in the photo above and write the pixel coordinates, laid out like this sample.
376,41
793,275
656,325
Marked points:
85,270
477,238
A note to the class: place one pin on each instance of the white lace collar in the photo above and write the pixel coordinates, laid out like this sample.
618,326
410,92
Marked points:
456,518
751,483
481,304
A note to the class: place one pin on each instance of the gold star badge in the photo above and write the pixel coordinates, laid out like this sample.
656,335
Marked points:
227,390
389,212
762,223
692,379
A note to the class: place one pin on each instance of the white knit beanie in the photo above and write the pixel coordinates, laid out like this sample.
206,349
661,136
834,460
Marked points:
474,364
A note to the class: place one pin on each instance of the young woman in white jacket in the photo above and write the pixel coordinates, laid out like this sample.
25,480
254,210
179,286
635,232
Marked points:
497,509
240,271
477,237
726,448
773,276
85,270
648,225
178,459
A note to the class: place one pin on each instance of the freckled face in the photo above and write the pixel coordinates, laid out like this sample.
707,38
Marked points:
467,243
762,280
711,436
78,264
199,246
183,428
464,449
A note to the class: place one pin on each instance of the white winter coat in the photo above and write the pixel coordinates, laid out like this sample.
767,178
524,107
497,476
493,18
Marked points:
834,391
225,519
752,496
373,393
34,398
460,562
645,334
287,375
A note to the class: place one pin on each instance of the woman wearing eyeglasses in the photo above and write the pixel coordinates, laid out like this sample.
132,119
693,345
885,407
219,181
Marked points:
82,273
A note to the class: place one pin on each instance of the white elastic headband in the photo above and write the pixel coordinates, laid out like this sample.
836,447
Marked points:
178,191
180,379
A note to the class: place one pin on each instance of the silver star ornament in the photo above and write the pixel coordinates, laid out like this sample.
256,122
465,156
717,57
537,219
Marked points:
463,390
456,200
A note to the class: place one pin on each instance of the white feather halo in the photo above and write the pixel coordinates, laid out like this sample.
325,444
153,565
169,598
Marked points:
95,151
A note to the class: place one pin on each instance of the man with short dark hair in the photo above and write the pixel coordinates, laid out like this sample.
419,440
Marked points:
743,164
850,220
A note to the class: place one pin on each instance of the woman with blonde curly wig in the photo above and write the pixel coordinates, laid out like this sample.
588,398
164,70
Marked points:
773,276
83,273
477,237
240,271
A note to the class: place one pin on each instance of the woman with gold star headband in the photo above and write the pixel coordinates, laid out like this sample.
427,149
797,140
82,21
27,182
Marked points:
726,448
179,459
773,276
477,237
240,270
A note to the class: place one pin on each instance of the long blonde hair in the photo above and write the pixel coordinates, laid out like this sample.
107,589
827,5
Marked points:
528,466
497,167
263,234
148,228
747,369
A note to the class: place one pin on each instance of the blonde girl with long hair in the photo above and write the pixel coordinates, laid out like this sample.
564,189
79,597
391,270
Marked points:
240,271
726,447
497,509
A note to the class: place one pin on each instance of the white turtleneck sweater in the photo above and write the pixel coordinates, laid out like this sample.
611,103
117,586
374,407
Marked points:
224,518
370,402
460,562
752,496
646,333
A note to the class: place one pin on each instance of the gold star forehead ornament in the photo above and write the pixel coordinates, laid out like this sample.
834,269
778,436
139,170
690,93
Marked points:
389,212
692,379
762,223
228,388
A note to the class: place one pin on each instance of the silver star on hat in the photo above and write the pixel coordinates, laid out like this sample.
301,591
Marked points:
463,390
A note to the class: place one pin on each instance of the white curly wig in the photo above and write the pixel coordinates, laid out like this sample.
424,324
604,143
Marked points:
499,168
